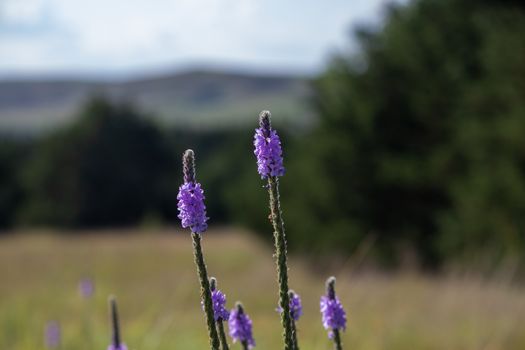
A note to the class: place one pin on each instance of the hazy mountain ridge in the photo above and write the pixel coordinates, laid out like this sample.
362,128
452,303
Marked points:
197,99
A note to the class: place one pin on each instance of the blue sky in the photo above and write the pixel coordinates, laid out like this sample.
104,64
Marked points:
126,36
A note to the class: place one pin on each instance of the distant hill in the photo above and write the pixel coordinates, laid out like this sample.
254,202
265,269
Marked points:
197,99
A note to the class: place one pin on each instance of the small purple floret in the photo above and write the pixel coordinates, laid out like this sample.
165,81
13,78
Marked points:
268,149
86,287
296,308
120,347
219,305
241,327
334,316
192,210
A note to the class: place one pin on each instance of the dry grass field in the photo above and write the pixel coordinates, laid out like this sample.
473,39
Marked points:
153,276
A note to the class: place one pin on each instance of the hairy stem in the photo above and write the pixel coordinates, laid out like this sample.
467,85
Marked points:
222,335
337,340
280,255
205,291
294,335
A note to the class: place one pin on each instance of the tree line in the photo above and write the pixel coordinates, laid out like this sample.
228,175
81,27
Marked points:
418,150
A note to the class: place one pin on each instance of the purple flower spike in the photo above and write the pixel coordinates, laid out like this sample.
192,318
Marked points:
219,302
241,326
52,335
268,148
296,308
334,316
192,210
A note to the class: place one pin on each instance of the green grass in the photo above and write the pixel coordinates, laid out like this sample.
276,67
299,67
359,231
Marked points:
153,276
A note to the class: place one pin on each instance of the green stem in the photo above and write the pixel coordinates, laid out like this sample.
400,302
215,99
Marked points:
337,340
280,255
205,290
114,321
244,345
222,335
294,336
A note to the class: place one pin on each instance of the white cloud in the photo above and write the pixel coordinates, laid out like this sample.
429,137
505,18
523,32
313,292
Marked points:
133,34
21,11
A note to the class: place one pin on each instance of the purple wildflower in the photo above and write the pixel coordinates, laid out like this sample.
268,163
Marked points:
86,287
241,326
192,210
296,308
219,302
334,316
218,299
268,148
52,335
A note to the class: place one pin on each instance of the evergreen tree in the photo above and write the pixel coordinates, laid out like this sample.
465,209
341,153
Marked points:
420,145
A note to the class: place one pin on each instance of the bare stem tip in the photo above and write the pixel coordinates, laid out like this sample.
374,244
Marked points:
265,120
188,165
330,287
213,283
239,307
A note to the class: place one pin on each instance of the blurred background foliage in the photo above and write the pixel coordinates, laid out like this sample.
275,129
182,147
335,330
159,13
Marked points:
417,152
419,143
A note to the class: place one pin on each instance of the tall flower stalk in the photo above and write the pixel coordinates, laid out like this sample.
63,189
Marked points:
221,314
192,213
270,167
116,343
334,316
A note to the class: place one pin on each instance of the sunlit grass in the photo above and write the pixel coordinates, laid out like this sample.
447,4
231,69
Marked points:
153,276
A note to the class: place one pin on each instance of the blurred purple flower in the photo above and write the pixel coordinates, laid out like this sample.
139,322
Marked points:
86,287
268,148
241,326
334,316
52,335
120,347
